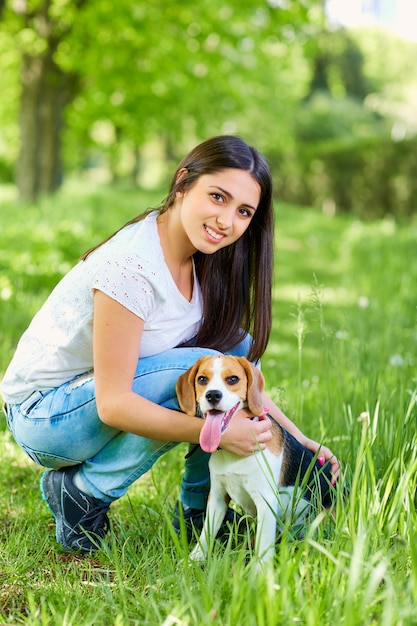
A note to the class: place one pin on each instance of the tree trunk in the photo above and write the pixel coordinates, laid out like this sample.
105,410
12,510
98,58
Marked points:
41,119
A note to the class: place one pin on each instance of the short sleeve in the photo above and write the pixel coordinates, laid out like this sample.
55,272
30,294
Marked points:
127,281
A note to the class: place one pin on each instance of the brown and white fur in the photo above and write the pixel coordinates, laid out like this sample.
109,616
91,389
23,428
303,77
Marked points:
262,484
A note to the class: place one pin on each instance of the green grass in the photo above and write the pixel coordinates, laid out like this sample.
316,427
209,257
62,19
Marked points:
341,362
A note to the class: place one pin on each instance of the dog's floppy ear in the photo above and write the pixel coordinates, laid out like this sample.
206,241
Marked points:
256,383
185,389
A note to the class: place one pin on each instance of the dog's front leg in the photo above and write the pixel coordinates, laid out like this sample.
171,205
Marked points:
216,511
265,532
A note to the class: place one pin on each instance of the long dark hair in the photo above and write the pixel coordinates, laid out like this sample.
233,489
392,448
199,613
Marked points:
236,281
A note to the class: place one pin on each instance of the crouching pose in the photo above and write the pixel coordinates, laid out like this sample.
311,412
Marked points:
90,391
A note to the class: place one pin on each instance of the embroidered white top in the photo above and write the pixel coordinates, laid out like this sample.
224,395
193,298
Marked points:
58,344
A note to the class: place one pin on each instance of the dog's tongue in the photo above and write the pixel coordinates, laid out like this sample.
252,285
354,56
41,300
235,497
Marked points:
211,432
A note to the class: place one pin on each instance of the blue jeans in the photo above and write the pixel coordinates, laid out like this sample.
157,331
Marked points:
61,427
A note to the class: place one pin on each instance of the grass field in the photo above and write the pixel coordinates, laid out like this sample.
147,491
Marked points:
342,364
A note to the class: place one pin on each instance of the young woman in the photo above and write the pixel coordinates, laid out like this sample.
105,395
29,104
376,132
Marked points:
90,391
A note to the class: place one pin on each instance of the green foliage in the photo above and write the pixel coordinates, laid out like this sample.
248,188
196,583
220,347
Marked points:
395,77
354,142
341,362
352,156
9,89
323,117
338,65
153,70
180,71
369,177
172,74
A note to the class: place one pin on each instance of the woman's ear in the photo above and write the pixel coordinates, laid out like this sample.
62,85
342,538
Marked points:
180,174
180,187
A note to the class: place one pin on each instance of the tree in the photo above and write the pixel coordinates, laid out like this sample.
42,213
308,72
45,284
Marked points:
40,28
338,65
144,68
9,90
185,71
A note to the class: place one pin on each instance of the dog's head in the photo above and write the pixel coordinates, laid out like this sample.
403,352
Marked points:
219,386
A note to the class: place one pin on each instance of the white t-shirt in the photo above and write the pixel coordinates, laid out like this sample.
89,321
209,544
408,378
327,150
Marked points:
58,345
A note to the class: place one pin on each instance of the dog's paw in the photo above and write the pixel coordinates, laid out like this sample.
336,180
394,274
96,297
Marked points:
197,554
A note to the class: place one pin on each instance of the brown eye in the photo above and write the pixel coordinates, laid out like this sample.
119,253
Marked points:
218,197
246,212
202,380
232,380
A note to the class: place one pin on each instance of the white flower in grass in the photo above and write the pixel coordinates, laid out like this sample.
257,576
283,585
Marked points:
363,302
364,417
396,360
6,288
6,293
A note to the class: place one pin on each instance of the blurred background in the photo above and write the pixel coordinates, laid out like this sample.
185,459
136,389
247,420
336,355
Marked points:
118,92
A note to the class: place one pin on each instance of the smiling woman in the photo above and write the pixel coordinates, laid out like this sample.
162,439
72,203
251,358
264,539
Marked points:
93,395
212,214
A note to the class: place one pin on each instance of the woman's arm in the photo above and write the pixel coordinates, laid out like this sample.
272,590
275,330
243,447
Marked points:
116,339
117,334
312,445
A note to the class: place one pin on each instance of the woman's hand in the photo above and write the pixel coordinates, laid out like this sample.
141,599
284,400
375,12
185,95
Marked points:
245,436
324,455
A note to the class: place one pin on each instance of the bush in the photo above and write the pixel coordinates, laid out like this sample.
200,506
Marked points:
344,160
323,117
370,177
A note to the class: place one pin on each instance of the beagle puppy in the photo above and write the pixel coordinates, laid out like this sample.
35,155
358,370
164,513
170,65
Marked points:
274,484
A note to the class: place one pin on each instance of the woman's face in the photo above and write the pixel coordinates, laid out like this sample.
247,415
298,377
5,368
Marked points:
217,209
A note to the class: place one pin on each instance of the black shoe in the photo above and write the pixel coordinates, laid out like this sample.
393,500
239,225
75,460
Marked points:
194,521
81,520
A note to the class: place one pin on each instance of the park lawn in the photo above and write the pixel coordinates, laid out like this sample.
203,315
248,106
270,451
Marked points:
341,362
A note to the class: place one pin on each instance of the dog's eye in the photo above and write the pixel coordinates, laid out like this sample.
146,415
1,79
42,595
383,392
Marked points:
202,380
232,380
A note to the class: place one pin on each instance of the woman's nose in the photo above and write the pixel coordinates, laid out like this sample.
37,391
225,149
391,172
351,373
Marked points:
225,219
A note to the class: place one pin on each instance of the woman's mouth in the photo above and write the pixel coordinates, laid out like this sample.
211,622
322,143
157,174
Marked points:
212,233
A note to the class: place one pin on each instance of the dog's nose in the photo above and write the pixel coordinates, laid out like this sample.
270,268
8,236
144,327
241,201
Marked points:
214,396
